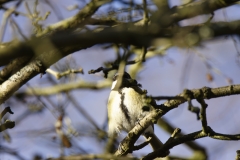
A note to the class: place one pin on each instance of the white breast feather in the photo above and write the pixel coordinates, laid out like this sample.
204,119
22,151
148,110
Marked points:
134,103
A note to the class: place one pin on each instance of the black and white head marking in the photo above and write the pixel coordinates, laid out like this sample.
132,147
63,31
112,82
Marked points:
125,75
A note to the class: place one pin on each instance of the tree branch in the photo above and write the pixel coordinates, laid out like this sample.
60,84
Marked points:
5,1
6,110
94,156
64,88
78,20
204,93
193,9
7,125
68,42
170,129
59,75
82,16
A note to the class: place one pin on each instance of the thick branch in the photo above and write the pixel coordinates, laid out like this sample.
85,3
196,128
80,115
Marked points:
193,9
77,20
54,47
127,143
5,1
204,93
13,67
18,79
135,35
82,16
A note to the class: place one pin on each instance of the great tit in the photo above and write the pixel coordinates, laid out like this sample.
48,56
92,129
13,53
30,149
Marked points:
127,106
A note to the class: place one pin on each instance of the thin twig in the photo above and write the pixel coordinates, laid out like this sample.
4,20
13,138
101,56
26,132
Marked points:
15,12
5,18
113,67
7,125
59,75
18,28
55,9
28,10
6,110
142,145
203,115
82,111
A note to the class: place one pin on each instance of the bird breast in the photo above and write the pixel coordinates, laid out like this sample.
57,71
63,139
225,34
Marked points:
124,109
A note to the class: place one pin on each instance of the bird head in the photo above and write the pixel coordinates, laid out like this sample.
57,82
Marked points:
121,80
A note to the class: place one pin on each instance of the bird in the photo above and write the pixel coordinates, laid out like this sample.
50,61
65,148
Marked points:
127,106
